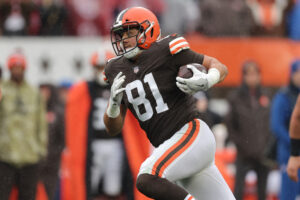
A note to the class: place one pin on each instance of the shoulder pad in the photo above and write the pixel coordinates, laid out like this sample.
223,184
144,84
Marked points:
178,44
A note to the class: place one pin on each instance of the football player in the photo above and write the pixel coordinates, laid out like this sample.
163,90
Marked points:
101,156
143,79
294,160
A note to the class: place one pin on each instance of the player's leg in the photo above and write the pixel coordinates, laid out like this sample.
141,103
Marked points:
262,176
190,151
159,188
202,178
98,161
151,180
208,184
243,165
27,182
196,155
113,168
7,180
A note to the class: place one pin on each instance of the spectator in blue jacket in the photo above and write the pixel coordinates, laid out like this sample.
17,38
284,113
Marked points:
282,107
293,21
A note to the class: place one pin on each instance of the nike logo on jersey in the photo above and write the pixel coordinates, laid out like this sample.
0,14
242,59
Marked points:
136,69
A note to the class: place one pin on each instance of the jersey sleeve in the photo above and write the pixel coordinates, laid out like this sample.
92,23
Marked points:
178,44
186,57
181,53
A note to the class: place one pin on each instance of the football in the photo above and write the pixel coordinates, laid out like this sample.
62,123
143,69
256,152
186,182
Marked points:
185,72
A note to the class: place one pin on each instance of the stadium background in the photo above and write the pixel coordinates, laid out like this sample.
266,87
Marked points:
84,28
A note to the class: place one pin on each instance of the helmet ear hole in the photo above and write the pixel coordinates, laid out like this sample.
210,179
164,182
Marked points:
151,32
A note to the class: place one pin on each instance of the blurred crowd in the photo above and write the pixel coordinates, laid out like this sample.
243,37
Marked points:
279,18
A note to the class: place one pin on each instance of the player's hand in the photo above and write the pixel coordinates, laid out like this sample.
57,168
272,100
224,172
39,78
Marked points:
116,89
198,82
116,95
184,88
293,167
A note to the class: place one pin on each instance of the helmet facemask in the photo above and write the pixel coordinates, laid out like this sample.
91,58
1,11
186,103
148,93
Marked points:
118,40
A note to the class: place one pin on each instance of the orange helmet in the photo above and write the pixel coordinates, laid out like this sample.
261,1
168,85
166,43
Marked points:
100,57
16,59
139,18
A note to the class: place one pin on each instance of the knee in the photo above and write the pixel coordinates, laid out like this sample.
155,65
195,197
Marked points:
143,181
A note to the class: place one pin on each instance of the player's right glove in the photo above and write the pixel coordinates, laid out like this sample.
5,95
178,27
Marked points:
116,96
199,81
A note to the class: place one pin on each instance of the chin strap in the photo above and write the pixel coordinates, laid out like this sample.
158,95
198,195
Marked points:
132,52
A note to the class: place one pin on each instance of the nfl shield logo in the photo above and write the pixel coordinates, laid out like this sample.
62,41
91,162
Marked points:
136,69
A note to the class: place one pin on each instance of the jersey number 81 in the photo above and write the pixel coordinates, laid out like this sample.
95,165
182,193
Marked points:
161,106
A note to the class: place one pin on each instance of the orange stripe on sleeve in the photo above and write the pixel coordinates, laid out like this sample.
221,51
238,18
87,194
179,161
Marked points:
178,49
177,42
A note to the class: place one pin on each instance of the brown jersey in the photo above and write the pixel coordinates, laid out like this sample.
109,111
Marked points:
151,93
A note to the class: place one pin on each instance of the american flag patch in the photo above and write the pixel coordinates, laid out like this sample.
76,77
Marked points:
178,45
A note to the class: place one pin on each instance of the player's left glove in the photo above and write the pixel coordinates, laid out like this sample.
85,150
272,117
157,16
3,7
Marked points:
199,81
116,96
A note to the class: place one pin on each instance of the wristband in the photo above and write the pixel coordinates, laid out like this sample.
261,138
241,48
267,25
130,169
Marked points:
295,147
213,76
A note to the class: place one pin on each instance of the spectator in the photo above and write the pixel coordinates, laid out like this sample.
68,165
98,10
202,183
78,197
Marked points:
185,22
107,152
248,129
13,21
225,18
282,107
101,157
53,18
23,136
63,90
56,142
294,160
86,17
19,18
293,21
268,16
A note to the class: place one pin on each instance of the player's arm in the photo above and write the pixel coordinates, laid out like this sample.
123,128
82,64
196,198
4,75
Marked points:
216,72
181,55
213,63
114,125
294,160
115,112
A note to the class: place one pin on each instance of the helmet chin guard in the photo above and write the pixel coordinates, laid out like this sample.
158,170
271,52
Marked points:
132,52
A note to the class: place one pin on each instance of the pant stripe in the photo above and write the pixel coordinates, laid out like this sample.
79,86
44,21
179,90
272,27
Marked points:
174,151
155,166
